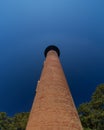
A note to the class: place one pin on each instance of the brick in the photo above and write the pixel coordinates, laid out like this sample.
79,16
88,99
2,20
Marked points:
53,107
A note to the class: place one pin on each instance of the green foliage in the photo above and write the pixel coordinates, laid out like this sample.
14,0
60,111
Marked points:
92,113
18,122
87,129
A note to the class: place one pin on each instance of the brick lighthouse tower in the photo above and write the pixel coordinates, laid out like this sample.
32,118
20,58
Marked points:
53,107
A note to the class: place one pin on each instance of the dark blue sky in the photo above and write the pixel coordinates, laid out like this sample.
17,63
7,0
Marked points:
27,27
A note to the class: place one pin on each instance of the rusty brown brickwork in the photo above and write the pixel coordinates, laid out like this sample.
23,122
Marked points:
53,107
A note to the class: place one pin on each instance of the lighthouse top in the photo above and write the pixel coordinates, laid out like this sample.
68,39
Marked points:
51,47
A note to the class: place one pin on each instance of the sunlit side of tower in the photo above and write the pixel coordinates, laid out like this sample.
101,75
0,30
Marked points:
53,107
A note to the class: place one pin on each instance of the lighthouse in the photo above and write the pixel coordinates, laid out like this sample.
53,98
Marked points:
53,106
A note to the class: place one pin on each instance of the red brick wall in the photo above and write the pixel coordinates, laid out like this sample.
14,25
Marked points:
53,107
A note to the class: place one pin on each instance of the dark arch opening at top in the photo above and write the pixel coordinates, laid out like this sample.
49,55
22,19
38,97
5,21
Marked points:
51,47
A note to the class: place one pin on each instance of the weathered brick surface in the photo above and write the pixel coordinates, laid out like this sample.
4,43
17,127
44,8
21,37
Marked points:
53,107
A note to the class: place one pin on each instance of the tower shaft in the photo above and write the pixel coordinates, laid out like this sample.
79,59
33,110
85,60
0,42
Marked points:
53,107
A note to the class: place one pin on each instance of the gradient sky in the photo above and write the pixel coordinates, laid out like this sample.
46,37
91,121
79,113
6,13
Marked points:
27,27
